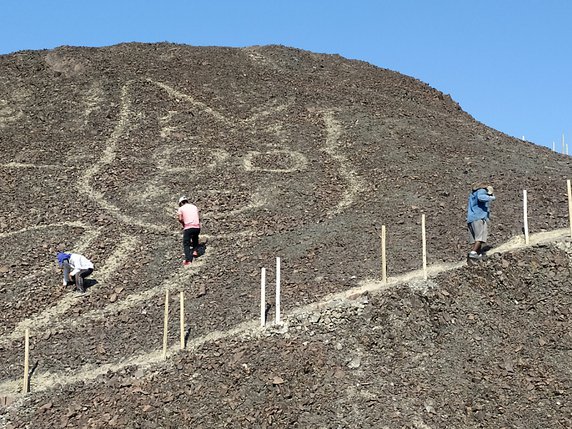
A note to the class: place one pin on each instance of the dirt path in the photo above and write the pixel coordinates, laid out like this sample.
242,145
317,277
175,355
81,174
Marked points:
46,380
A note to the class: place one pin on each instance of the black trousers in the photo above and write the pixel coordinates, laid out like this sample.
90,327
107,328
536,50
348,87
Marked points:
78,278
190,242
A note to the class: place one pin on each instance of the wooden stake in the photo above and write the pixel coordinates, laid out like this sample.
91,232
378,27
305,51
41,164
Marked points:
182,308
553,146
263,297
563,151
26,386
525,211
166,324
424,239
383,259
277,290
569,205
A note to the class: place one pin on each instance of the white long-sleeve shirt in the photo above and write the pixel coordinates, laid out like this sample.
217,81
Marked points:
77,263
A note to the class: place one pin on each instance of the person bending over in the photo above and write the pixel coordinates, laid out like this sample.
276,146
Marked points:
76,268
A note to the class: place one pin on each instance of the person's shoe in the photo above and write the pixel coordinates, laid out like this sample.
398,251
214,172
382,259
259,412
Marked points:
195,253
474,255
187,263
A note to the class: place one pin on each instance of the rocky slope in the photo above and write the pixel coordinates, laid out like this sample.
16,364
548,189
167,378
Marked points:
481,347
287,153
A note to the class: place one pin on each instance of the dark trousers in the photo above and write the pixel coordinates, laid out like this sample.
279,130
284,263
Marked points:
190,242
78,278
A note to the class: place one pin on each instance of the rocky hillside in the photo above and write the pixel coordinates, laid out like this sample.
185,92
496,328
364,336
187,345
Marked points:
287,153
483,347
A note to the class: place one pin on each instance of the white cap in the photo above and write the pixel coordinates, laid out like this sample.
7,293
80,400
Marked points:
183,198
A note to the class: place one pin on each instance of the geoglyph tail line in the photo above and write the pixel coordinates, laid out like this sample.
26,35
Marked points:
35,166
45,319
38,227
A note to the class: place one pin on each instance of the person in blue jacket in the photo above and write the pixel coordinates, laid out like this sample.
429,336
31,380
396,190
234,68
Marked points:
478,217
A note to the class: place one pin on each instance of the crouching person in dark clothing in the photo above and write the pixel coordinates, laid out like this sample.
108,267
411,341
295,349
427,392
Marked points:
76,268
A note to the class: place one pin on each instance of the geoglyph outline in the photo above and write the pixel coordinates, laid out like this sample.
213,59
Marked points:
46,318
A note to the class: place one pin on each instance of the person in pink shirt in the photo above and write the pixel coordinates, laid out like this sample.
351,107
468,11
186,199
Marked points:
188,216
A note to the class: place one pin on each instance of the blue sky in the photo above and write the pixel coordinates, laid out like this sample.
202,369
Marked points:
507,62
